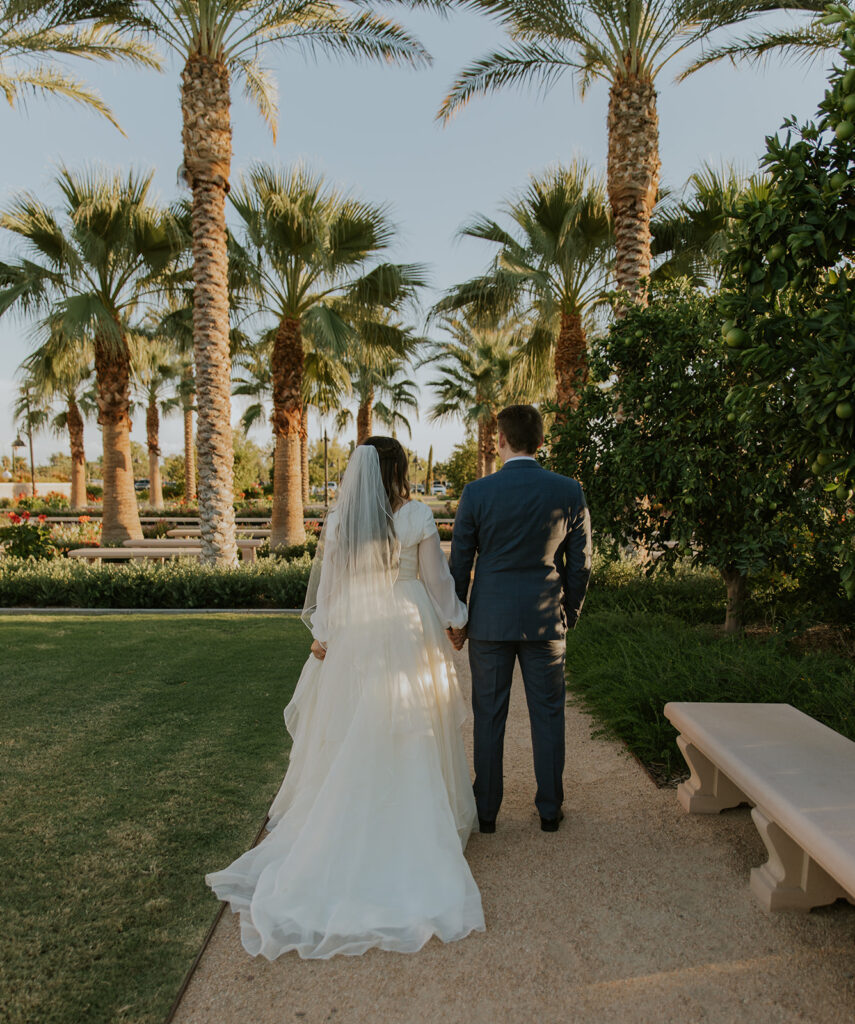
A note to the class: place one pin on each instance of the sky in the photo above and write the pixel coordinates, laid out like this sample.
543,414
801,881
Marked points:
372,130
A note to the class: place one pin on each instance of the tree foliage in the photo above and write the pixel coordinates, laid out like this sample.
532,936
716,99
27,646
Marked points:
789,295
664,463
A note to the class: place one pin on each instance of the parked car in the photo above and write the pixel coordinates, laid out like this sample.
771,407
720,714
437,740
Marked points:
438,488
141,485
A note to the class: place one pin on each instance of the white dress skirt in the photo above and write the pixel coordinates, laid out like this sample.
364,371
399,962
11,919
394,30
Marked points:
367,832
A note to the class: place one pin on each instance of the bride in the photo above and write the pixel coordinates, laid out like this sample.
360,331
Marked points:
366,834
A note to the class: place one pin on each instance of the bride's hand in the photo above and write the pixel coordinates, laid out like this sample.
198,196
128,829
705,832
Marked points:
318,649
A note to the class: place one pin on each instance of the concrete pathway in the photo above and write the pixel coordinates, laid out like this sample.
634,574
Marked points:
633,913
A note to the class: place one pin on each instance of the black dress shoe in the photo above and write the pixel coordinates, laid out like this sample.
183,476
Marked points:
551,824
486,827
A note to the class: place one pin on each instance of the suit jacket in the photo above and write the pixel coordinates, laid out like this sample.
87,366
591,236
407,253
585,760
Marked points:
532,534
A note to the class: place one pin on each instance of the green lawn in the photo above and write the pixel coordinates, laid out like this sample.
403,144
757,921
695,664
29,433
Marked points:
138,752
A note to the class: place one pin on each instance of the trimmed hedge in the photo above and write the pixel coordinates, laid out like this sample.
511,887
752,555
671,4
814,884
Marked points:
270,583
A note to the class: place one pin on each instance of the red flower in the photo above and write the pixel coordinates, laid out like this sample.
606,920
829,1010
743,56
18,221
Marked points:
15,519
25,515
42,517
83,519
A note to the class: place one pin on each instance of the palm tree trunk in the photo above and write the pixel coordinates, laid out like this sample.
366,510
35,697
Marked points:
480,467
189,443
74,422
152,429
365,417
207,165
633,176
286,527
121,520
571,361
304,453
491,426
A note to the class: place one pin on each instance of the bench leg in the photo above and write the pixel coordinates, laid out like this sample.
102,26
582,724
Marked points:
708,791
790,879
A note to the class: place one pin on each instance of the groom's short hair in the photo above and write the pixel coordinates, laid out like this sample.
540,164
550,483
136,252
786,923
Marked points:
523,428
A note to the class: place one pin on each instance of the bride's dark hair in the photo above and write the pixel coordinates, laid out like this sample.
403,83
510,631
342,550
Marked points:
393,469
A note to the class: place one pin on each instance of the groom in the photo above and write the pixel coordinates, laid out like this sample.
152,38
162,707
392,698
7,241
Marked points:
531,531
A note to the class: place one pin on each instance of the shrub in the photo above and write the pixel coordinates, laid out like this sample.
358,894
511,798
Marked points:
85,533
624,668
25,539
271,583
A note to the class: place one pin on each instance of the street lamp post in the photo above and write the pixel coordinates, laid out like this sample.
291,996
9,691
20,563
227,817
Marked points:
16,444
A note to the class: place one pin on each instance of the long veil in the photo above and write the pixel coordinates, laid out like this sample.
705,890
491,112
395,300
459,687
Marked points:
356,562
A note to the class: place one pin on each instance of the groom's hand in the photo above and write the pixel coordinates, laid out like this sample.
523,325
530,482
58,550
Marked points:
457,637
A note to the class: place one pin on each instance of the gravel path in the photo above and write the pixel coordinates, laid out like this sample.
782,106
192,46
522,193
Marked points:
633,912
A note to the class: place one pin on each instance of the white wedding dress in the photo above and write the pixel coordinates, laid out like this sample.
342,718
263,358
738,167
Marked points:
367,832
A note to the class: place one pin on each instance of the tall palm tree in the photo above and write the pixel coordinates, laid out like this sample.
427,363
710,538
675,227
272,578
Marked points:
216,41
315,251
89,273
64,373
626,43
155,370
553,264
35,35
478,370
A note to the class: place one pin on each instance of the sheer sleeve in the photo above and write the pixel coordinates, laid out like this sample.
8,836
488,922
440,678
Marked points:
436,577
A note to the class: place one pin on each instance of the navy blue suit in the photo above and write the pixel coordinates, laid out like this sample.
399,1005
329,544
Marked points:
531,532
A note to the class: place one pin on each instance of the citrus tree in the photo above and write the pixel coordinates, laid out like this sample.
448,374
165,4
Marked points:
666,464
788,296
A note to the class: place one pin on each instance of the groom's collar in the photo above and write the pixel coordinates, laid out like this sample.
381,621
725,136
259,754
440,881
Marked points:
521,460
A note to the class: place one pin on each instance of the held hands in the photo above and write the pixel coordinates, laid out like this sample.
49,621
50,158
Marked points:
457,637
318,649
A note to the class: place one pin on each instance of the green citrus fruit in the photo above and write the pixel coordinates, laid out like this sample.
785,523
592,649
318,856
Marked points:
731,417
728,325
845,130
843,492
775,252
849,104
844,410
823,459
815,468
849,80
839,179
736,337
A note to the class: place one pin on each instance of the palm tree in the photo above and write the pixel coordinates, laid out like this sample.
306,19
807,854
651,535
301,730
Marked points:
626,43
35,34
155,370
89,277
217,40
692,233
553,264
314,251
382,392
480,369
31,412
64,372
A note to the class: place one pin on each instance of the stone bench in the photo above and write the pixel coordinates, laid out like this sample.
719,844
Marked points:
195,531
134,554
799,777
245,545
